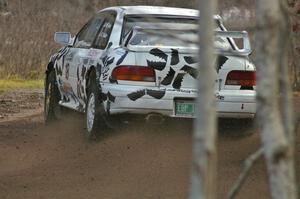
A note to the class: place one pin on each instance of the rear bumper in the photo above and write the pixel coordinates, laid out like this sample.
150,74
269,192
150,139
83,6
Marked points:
229,103
236,104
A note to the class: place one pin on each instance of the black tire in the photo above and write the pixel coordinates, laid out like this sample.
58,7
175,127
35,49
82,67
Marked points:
94,111
52,98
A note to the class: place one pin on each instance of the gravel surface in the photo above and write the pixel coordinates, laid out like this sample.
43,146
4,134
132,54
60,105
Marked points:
138,161
20,103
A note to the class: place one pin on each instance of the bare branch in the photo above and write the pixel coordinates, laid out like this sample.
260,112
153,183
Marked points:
249,162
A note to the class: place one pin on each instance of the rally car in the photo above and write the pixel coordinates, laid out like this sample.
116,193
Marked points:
143,60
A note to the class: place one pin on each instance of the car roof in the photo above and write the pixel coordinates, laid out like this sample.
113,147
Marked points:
156,10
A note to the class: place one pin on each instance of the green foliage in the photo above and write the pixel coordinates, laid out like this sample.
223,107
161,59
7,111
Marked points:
19,83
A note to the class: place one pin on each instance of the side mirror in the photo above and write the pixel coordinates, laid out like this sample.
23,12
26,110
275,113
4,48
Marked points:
63,38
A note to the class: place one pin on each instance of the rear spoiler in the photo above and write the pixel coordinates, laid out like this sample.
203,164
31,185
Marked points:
245,51
230,35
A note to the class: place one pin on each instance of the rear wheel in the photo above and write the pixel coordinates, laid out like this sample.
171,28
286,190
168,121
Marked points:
94,113
52,97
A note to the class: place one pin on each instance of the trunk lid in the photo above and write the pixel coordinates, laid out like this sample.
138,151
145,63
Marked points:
174,68
177,68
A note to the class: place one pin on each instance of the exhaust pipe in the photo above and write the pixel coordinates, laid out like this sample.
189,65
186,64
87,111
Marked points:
155,118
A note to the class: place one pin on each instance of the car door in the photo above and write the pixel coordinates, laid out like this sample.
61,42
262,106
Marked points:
96,54
102,46
76,59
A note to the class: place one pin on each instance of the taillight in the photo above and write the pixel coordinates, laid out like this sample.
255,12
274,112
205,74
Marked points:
134,73
241,78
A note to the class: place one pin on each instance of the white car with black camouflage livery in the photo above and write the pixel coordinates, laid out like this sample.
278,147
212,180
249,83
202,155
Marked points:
142,60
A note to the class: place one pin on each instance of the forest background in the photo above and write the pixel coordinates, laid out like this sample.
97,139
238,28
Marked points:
27,29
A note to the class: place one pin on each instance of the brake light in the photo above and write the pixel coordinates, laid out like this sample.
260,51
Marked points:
134,73
241,78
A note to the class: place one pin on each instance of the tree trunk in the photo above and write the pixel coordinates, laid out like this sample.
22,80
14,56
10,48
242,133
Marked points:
285,88
277,145
203,178
3,5
294,9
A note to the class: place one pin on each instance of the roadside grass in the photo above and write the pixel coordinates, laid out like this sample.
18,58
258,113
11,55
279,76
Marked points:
19,83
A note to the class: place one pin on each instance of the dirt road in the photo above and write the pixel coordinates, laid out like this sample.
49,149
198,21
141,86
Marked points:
136,162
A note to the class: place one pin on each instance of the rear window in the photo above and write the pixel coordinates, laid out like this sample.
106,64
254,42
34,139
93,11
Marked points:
166,31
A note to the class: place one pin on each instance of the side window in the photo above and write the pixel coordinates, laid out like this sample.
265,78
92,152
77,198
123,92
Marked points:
87,35
105,31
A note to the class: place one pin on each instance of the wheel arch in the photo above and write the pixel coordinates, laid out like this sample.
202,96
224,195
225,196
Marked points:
91,71
50,67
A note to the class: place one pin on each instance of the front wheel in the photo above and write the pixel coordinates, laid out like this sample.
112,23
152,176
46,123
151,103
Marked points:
52,97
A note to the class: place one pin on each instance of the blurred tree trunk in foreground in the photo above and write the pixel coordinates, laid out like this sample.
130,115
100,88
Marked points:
276,133
203,178
294,13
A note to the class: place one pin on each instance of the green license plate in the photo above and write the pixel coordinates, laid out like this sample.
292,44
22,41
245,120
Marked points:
184,108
